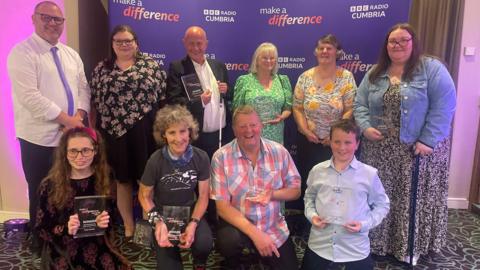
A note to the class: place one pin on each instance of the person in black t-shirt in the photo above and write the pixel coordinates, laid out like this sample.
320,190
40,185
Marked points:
172,176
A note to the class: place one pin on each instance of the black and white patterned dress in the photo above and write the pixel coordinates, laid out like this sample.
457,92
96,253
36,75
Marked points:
126,102
395,161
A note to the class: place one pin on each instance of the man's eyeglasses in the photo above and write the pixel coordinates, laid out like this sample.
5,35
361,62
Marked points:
402,42
125,42
47,18
86,152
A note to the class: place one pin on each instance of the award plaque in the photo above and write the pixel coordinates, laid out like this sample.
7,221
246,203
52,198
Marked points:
176,218
252,194
338,220
265,107
192,86
337,209
88,208
384,125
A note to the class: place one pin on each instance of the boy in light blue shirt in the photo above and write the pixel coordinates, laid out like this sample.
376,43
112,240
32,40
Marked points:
344,199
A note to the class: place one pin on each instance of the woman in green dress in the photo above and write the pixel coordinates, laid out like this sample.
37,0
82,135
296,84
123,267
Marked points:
268,92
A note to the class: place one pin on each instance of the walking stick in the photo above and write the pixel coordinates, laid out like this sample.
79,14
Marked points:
222,103
413,209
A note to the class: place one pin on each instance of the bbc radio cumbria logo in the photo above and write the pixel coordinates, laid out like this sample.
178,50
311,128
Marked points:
220,16
368,11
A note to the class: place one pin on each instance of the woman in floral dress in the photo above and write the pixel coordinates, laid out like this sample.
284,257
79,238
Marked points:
268,92
127,89
404,106
323,95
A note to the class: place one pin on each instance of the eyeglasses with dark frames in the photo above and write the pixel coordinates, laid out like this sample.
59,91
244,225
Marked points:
124,42
47,18
402,42
86,152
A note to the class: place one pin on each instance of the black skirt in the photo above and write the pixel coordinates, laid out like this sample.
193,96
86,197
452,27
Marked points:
128,154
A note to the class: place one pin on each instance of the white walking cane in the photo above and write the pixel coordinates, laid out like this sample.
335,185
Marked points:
221,122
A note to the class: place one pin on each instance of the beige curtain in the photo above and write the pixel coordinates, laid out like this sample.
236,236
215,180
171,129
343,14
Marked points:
438,24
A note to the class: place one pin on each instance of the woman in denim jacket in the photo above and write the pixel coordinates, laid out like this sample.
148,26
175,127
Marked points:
404,107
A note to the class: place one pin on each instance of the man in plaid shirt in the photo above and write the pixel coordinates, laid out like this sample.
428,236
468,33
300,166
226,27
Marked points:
251,176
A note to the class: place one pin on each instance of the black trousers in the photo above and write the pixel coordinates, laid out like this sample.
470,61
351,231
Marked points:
231,242
311,261
208,142
36,162
169,258
308,155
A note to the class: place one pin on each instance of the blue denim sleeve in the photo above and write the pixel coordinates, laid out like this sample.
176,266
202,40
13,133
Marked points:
360,105
442,103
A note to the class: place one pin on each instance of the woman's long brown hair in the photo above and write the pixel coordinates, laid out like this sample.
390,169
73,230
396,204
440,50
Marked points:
59,175
384,60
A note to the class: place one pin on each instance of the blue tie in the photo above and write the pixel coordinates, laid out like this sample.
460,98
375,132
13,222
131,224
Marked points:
68,91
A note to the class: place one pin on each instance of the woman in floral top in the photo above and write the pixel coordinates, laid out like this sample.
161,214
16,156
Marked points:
323,95
126,91
268,92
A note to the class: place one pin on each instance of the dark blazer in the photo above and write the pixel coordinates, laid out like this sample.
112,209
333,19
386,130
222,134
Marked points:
176,93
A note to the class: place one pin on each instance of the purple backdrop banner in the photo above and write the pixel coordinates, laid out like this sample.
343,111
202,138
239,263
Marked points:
236,28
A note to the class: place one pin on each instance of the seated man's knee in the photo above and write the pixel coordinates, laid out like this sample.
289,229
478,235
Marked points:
229,242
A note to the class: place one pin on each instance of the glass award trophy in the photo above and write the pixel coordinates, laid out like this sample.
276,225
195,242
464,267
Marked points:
176,218
384,125
265,107
192,86
88,208
337,211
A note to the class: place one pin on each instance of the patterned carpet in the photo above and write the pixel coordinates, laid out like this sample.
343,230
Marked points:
462,250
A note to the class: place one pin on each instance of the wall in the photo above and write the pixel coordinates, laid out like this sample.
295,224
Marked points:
467,116
13,188
89,38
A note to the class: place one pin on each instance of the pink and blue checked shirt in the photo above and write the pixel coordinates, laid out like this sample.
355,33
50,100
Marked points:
233,176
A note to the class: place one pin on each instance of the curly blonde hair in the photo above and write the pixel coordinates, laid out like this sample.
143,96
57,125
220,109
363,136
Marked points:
170,115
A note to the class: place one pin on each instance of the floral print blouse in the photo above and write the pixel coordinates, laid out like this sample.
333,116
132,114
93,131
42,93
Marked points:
122,97
324,105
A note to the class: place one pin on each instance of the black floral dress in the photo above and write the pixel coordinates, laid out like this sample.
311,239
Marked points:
126,102
394,161
123,97
61,250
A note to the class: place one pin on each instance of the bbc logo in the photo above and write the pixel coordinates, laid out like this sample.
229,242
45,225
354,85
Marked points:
211,12
359,8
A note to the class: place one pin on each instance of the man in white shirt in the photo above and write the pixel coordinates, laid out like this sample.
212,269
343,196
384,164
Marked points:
210,109
48,97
